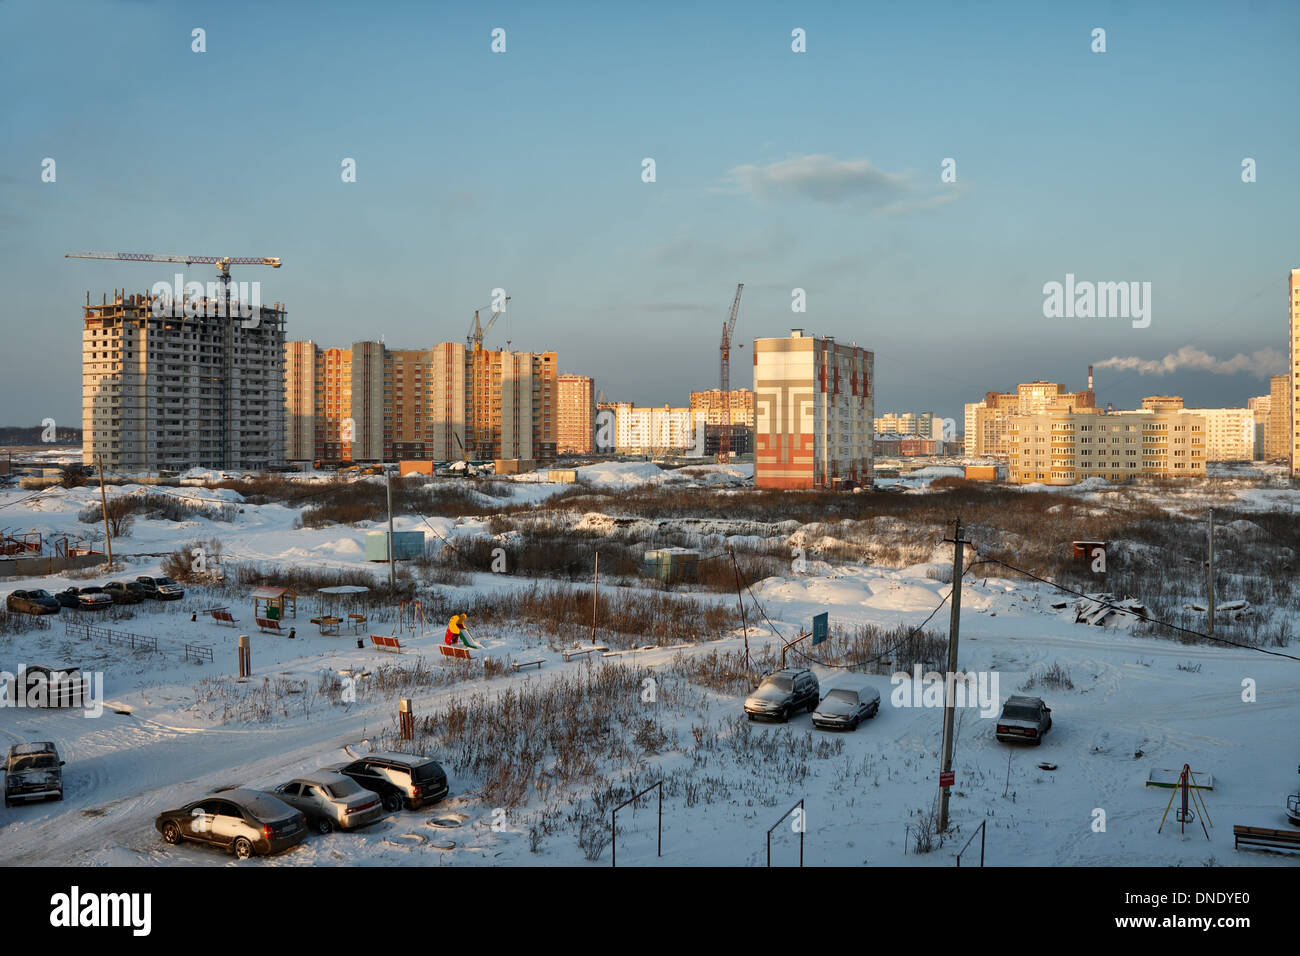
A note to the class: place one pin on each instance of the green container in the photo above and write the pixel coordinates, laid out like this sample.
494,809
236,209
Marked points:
273,613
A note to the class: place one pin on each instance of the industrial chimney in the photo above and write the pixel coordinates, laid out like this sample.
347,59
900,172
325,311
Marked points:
1090,378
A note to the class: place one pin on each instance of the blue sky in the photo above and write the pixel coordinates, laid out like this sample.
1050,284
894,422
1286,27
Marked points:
522,170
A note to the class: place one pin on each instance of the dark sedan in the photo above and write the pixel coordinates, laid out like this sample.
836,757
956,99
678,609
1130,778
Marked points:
246,822
38,601
124,592
85,599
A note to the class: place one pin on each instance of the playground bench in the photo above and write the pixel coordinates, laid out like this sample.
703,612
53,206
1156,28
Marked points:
358,621
518,664
222,616
268,625
1265,838
453,650
388,643
573,652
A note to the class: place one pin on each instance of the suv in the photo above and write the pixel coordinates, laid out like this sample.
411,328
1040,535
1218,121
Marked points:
38,601
33,772
247,822
1024,718
399,779
783,692
160,588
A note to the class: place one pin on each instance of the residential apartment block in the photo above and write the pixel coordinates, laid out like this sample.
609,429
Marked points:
654,430
813,401
919,424
371,403
163,391
736,409
576,415
1278,444
1062,446
989,423
1261,408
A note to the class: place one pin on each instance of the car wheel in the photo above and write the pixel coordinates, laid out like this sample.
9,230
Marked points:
750,716
59,795
323,825
392,802
243,848
854,725
785,715
1038,741
171,833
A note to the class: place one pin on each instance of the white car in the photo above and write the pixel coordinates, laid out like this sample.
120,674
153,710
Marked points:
847,704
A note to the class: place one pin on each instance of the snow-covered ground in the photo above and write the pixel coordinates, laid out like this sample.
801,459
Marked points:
172,730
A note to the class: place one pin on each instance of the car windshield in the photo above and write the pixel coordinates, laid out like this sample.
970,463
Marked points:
93,589
164,580
344,788
426,771
843,696
33,762
1019,712
777,683
40,594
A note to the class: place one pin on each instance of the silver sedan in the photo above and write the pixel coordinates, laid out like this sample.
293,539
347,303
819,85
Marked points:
331,801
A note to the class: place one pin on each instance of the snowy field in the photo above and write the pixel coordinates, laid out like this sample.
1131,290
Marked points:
172,730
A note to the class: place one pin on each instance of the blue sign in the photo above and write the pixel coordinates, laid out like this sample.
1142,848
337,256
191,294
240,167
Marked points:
821,625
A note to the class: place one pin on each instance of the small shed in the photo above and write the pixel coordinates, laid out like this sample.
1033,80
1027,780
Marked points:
1086,550
273,603
566,476
671,565
406,545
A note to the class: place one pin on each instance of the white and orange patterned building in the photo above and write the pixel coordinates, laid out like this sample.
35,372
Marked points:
813,404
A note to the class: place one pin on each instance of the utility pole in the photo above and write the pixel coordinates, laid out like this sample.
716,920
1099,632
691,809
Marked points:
1211,568
103,506
595,589
950,690
392,569
741,601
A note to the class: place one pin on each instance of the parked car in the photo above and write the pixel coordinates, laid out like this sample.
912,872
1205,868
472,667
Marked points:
246,822
399,779
38,601
33,772
51,687
90,598
160,588
846,705
125,592
782,693
331,801
1024,719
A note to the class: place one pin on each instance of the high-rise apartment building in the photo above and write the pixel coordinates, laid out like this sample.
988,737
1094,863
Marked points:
813,400
653,430
1293,354
1279,417
1062,446
988,423
1260,408
576,414
370,403
167,390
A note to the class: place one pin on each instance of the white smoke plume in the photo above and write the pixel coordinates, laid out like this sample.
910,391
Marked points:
1261,364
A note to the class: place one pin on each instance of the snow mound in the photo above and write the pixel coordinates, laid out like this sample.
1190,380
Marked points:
621,474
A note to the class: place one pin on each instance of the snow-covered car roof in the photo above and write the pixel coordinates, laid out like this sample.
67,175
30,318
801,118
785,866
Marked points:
40,747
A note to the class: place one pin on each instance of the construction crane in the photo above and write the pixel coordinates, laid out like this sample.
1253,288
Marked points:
728,329
475,339
223,264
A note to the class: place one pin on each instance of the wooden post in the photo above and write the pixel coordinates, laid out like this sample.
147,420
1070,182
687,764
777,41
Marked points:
406,718
245,657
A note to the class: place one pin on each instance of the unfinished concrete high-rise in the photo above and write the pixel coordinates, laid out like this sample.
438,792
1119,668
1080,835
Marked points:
168,386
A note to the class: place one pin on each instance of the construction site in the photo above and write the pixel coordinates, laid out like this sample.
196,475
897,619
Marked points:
170,382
